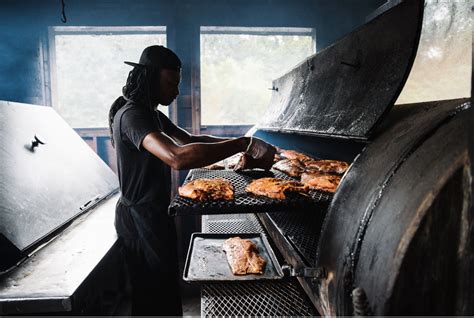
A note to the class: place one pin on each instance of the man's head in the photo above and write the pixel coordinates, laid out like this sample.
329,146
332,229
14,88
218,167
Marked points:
163,72
167,86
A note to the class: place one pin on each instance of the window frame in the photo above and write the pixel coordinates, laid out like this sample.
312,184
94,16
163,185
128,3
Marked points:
50,71
236,129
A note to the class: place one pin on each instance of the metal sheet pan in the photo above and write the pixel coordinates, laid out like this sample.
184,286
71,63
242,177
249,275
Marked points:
207,262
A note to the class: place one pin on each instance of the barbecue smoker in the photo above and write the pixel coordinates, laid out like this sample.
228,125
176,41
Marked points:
57,206
396,237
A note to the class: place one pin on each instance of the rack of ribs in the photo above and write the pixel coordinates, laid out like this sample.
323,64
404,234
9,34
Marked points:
321,181
275,188
292,154
327,166
292,167
227,163
207,189
243,256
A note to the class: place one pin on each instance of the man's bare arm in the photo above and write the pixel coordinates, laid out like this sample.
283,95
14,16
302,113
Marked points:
191,155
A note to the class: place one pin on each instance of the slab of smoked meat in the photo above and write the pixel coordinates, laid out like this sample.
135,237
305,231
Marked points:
275,188
292,167
292,154
327,166
321,181
207,189
243,256
228,163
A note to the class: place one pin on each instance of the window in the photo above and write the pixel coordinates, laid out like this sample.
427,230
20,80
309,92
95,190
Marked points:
88,72
238,66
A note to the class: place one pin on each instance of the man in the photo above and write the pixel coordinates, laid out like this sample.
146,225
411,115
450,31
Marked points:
147,144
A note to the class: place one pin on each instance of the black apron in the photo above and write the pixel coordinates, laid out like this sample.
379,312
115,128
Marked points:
148,243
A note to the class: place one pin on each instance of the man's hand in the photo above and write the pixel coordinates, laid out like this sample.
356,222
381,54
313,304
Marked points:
259,154
258,149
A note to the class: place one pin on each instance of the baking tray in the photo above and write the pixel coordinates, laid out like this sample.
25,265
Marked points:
207,262
244,202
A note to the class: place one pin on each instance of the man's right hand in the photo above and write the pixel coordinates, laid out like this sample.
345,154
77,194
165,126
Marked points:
259,154
259,149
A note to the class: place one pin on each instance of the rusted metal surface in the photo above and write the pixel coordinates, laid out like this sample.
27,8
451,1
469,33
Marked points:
347,88
365,195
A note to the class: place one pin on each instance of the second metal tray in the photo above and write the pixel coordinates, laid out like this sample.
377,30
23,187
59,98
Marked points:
207,262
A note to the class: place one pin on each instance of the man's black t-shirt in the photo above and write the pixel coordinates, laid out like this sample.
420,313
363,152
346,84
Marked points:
143,177
147,234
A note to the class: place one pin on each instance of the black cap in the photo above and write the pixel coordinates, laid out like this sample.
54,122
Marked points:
158,56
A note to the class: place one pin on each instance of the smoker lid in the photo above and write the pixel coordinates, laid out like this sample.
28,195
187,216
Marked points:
42,189
346,89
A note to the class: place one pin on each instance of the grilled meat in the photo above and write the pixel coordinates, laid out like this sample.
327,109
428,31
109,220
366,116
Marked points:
227,163
292,154
277,157
275,188
327,166
321,181
292,167
207,189
243,256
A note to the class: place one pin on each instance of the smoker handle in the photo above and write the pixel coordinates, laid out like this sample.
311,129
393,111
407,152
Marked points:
309,272
37,141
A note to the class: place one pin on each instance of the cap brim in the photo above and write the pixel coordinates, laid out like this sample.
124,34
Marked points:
133,64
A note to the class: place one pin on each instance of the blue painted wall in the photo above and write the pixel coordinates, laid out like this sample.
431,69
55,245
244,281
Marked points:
23,24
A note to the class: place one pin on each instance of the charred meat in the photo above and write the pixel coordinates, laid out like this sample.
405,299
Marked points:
207,189
292,154
227,163
275,188
321,181
292,167
327,166
243,256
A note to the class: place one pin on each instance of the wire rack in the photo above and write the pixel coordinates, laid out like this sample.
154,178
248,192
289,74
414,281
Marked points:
263,298
275,298
231,223
244,202
302,230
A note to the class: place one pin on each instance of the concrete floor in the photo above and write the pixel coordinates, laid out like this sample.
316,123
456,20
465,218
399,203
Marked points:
190,295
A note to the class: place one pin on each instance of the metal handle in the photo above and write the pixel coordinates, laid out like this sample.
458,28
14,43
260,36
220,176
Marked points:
360,303
36,142
309,272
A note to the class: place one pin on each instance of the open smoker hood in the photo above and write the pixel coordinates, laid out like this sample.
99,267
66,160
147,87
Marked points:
43,188
348,88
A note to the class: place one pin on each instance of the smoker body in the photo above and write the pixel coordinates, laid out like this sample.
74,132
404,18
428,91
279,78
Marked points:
398,225
395,238
58,246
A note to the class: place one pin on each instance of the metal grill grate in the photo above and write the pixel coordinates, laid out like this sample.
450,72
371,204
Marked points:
274,298
302,229
231,223
243,202
270,298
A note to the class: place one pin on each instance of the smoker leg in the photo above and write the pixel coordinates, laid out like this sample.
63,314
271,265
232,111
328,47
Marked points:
360,303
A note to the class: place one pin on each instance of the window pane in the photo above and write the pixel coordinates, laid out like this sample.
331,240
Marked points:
90,73
237,71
